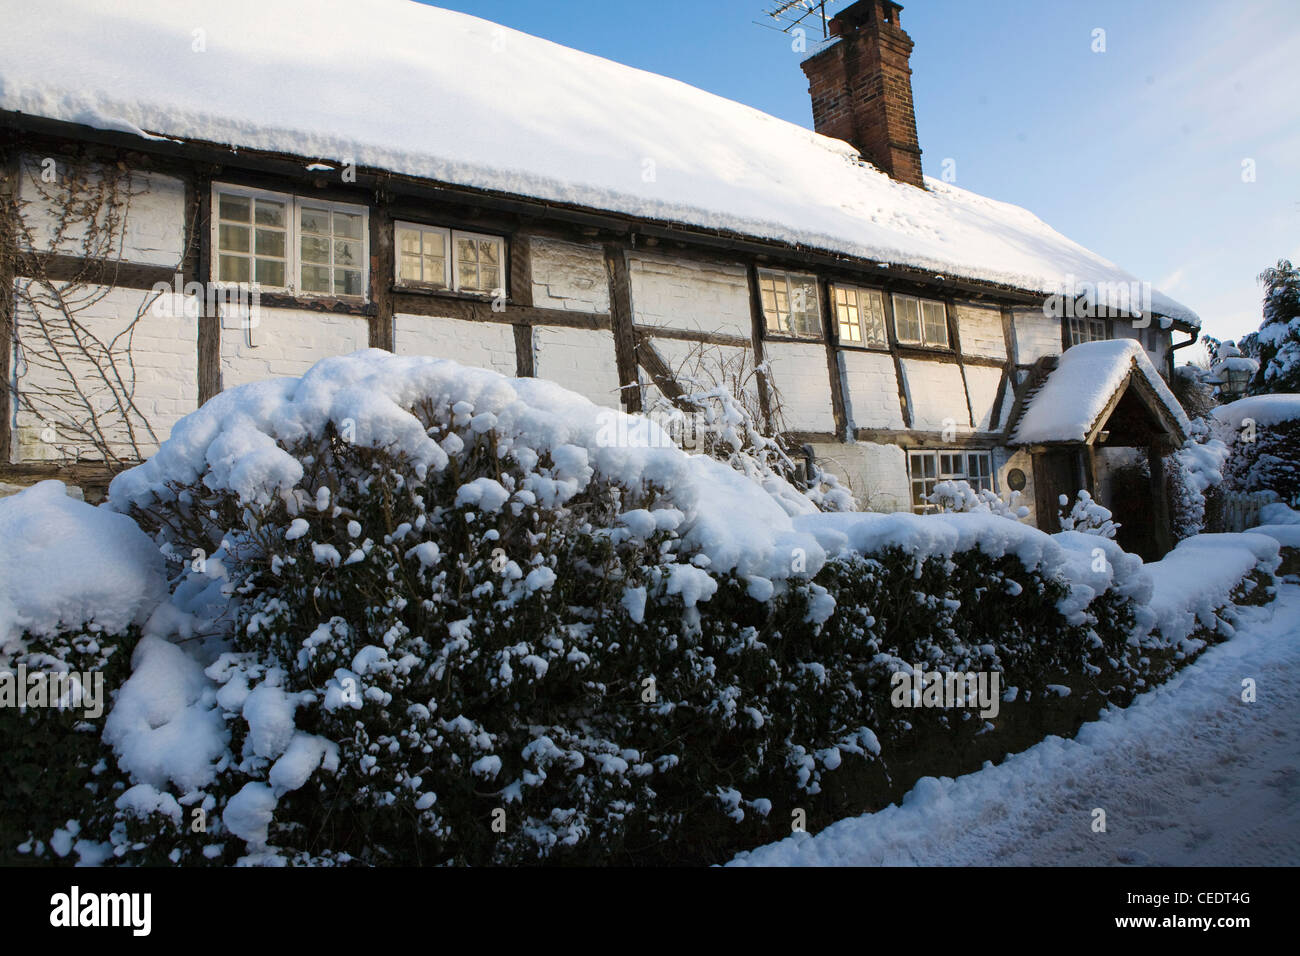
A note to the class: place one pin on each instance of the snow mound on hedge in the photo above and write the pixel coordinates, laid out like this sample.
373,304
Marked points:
1199,575
236,442
1087,563
65,564
1264,410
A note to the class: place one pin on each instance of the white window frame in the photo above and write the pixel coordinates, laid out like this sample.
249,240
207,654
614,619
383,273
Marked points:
817,333
293,239
219,190
458,234
421,228
865,339
964,455
923,339
332,207
449,237
1088,330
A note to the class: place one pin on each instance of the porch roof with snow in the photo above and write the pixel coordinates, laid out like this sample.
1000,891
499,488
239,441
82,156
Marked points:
413,90
1089,385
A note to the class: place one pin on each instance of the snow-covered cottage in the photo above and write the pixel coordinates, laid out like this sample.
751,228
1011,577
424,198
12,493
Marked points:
403,177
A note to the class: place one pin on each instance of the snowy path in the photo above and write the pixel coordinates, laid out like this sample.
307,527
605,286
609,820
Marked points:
1188,776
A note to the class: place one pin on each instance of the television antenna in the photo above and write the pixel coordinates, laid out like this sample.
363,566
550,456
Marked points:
810,16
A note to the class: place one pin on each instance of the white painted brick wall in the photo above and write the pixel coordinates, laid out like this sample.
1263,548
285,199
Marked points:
800,375
164,384
706,364
154,232
935,394
980,329
1036,335
875,473
481,344
681,294
871,385
982,387
1124,329
569,275
287,343
582,360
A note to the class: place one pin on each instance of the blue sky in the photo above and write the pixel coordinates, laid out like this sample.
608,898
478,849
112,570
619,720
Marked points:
1136,152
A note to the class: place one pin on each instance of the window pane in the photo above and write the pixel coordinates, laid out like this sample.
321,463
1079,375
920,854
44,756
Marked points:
315,249
871,307
234,208
315,278
408,240
270,273
233,269
347,282
316,221
490,277
270,242
467,250
805,310
410,268
487,250
347,252
435,244
270,213
846,308
435,271
232,238
467,275
907,320
936,326
347,225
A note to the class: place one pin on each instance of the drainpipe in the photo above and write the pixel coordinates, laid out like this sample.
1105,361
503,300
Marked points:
1196,335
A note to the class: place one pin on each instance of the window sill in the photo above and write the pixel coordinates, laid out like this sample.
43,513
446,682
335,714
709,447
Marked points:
799,339
856,347
904,349
343,305
432,293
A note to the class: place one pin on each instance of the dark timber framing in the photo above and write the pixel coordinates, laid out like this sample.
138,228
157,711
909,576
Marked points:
620,309
389,197
8,248
209,344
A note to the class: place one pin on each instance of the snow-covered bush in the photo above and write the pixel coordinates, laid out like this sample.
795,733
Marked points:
427,614
1263,434
958,497
1087,516
713,418
76,585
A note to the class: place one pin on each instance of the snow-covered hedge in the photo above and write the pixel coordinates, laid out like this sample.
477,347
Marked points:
1263,432
76,585
421,613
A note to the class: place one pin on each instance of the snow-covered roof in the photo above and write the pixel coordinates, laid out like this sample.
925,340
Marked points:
1264,410
1069,405
416,90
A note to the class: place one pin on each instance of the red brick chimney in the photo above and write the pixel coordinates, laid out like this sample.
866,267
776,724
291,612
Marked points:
861,88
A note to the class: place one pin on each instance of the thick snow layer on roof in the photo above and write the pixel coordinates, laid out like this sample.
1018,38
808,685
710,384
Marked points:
237,442
1264,410
396,85
65,564
1076,392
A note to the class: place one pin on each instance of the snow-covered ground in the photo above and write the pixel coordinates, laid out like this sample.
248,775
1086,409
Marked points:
1190,775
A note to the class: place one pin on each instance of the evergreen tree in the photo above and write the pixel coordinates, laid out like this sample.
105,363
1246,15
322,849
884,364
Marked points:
1277,343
